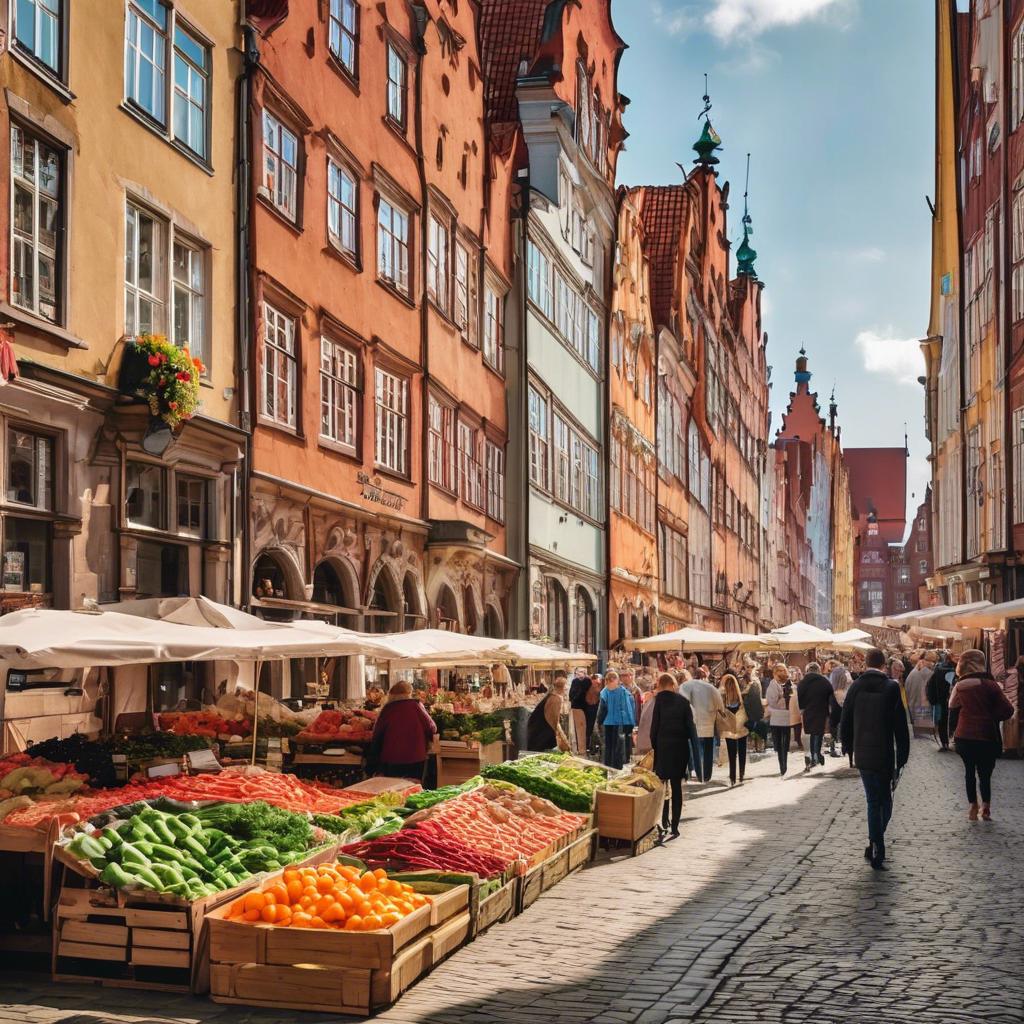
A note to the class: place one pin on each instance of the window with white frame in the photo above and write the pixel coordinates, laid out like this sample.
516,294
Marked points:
562,456
339,393
1017,455
441,462
30,469
145,272
922,567
145,495
494,325
901,575
37,239
188,283
280,166
1017,78
540,436
38,30
342,208
161,48
539,277
437,263
470,469
343,33
494,457
280,368
673,560
393,245
391,443
1017,256
465,293
191,496
397,74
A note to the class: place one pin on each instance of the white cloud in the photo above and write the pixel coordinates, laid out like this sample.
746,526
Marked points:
674,22
732,19
898,358
868,254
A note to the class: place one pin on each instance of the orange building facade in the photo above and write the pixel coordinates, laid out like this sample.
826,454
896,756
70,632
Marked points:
377,398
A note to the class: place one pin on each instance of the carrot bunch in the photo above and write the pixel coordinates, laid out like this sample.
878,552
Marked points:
329,896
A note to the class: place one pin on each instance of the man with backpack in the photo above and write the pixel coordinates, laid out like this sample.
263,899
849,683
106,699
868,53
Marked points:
939,687
874,727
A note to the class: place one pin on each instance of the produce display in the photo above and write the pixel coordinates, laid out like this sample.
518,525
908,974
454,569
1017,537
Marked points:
635,779
484,728
205,723
149,745
427,844
187,855
335,896
343,725
25,779
365,820
428,797
566,781
232,786
88,757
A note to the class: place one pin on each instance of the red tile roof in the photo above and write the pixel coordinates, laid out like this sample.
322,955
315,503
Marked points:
510,33
878,483
662,214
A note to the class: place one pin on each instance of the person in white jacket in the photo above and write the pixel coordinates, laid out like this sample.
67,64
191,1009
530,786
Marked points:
706,701
779,694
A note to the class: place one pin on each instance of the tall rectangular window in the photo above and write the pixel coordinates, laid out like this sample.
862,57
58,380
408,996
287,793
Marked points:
145,57
191,82
461,309
391,398
343,33
38,31
495,467
539,280
339,382
441,443
280,166
191,504
342,208
393,246
30,469
280,368
1018,464
470,470
437,263
539,437
145,495
1017,79
397,72
188,282
561,472
494,348
1017,257
37,254
145,273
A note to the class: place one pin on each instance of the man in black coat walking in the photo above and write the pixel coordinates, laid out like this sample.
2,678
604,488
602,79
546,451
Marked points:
814,695
874,726
937,690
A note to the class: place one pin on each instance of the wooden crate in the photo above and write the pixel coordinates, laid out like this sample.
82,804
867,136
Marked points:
551,871
496,908
458,761
627,815
447,938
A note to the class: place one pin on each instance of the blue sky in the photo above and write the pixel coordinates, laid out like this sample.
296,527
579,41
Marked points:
834,100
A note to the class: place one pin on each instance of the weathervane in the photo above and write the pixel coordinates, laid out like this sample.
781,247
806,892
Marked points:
747,219
707,101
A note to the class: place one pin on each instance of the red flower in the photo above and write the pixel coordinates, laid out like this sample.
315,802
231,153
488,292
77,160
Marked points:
182,375
153,360
173,405
162,382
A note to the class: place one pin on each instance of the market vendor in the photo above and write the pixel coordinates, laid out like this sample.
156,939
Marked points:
401,736
544,726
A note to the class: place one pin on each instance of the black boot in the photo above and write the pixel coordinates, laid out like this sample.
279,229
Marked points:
878,856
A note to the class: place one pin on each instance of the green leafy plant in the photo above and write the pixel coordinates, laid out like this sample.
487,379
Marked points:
171,388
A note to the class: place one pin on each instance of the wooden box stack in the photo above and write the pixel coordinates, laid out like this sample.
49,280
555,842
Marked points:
569,857
332,971
627,815
458,761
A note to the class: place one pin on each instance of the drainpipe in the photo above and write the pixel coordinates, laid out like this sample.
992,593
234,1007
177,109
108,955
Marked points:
244,320
522,428
421,168
1009,573
955,87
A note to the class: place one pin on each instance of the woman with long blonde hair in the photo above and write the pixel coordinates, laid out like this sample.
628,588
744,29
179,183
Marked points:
735,742
779,694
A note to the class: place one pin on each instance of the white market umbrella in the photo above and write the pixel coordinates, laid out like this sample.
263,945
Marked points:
949,618
994,617
690,639
524,652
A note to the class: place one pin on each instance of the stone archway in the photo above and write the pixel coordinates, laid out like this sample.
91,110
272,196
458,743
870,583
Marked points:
335,582
384,601
447,614
494,621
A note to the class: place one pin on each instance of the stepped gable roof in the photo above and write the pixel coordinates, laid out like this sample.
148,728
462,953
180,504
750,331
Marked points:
664,207
878,484
510,33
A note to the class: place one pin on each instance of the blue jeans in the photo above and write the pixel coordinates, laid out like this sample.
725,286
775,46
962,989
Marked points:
878,790
816,744
695,758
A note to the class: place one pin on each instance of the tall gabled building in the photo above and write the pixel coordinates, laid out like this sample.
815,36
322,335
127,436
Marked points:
552,103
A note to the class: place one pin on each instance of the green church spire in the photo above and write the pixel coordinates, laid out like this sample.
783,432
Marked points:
709,139
746,253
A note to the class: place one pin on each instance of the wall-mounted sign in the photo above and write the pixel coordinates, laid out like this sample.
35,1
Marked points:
372,491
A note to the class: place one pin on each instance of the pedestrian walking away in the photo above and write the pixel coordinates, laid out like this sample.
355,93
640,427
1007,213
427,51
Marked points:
401,737
976,707
814,694
780,691
616,715
706,702
590,705
938,690
874,727
544,728
735,733
840,679
578,711
671,729
753,705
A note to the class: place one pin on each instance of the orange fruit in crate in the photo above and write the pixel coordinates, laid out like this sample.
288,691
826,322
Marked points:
283,914
269,913
301,920
279,891
354,923
251,915
324,882
317,922
333,914
379,874
371,923
390,918
344,898
367,882
294,890
254,901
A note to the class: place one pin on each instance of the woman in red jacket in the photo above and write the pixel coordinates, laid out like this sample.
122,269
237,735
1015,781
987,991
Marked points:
401,737
976,707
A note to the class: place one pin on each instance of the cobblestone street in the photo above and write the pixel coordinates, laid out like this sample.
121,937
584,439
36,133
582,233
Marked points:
762,911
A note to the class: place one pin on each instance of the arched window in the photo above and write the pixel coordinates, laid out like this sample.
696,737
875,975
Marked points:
584,117
469,604
492,622
586,621
447,610
384,608
414,614
332,588
634,625
557,612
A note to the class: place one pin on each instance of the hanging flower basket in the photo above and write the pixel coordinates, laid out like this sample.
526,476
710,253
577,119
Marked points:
164,376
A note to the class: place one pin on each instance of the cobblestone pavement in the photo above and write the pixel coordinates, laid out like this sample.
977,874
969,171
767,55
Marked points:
763,911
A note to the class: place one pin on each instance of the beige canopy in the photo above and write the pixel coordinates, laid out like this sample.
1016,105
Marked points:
694,640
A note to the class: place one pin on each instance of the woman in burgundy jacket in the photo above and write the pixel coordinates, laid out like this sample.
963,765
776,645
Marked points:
976,707
401,737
